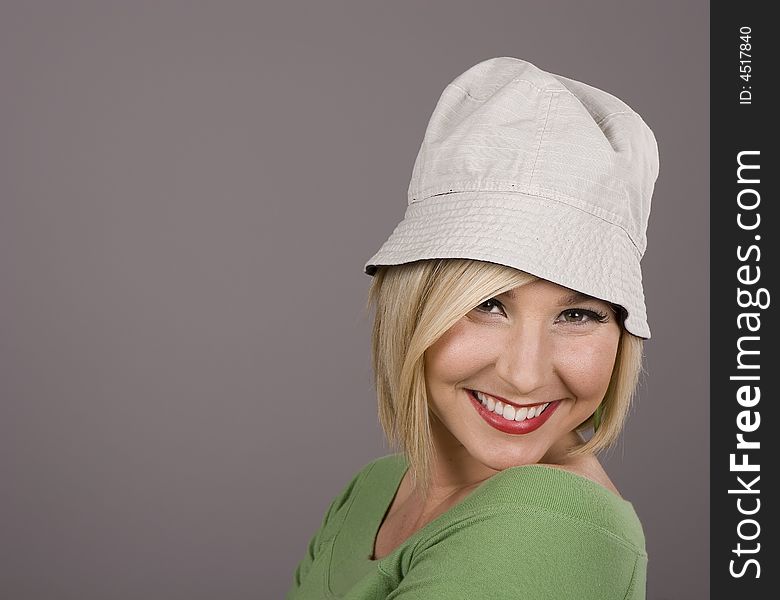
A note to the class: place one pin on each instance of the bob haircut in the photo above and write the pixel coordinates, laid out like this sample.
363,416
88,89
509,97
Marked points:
417,302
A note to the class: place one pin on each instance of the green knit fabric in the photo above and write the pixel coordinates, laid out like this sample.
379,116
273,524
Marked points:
530,532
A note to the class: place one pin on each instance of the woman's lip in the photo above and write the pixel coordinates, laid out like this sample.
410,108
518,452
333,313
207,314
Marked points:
505,401
512,427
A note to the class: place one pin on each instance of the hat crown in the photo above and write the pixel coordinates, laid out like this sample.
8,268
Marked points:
507,126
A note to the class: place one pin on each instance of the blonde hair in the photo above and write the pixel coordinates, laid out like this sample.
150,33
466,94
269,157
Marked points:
415,303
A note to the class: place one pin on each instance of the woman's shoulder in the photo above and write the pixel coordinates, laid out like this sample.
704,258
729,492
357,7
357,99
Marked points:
582,496
383,464
564,534
577,495
388,463
382,468
351,488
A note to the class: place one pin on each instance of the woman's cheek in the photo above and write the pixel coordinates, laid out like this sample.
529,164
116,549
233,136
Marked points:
588,367
460,351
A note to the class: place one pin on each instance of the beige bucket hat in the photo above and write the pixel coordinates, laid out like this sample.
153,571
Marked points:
538,172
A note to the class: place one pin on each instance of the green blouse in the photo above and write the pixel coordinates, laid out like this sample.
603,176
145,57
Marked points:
530,532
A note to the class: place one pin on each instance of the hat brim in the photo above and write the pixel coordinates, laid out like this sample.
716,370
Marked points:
547,238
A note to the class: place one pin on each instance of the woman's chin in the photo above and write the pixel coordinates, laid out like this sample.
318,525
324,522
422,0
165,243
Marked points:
503,460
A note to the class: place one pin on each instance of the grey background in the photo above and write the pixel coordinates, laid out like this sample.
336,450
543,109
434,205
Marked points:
188,193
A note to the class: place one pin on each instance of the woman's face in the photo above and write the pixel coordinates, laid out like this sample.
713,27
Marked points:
538,344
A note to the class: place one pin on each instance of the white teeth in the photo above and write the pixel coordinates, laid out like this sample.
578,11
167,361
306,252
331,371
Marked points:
508,411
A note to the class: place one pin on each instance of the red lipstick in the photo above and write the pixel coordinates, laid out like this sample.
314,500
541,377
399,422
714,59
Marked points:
512,427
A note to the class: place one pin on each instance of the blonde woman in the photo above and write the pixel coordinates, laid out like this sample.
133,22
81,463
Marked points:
507,345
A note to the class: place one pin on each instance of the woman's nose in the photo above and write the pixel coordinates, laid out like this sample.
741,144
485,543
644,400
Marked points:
526,362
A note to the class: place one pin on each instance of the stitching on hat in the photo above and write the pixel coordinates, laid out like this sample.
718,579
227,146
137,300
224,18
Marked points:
537,88
471,186
615,114
541,136
465,91
491,90
557,197
591,106
551,195
562,89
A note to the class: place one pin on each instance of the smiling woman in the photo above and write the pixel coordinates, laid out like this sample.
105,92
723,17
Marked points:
441,330
509,320
530,357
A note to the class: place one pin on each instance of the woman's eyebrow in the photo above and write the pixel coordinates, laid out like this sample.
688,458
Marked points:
575,298
568,300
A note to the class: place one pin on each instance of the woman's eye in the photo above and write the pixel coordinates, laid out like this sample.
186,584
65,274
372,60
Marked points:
581,315
574,316
491,304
